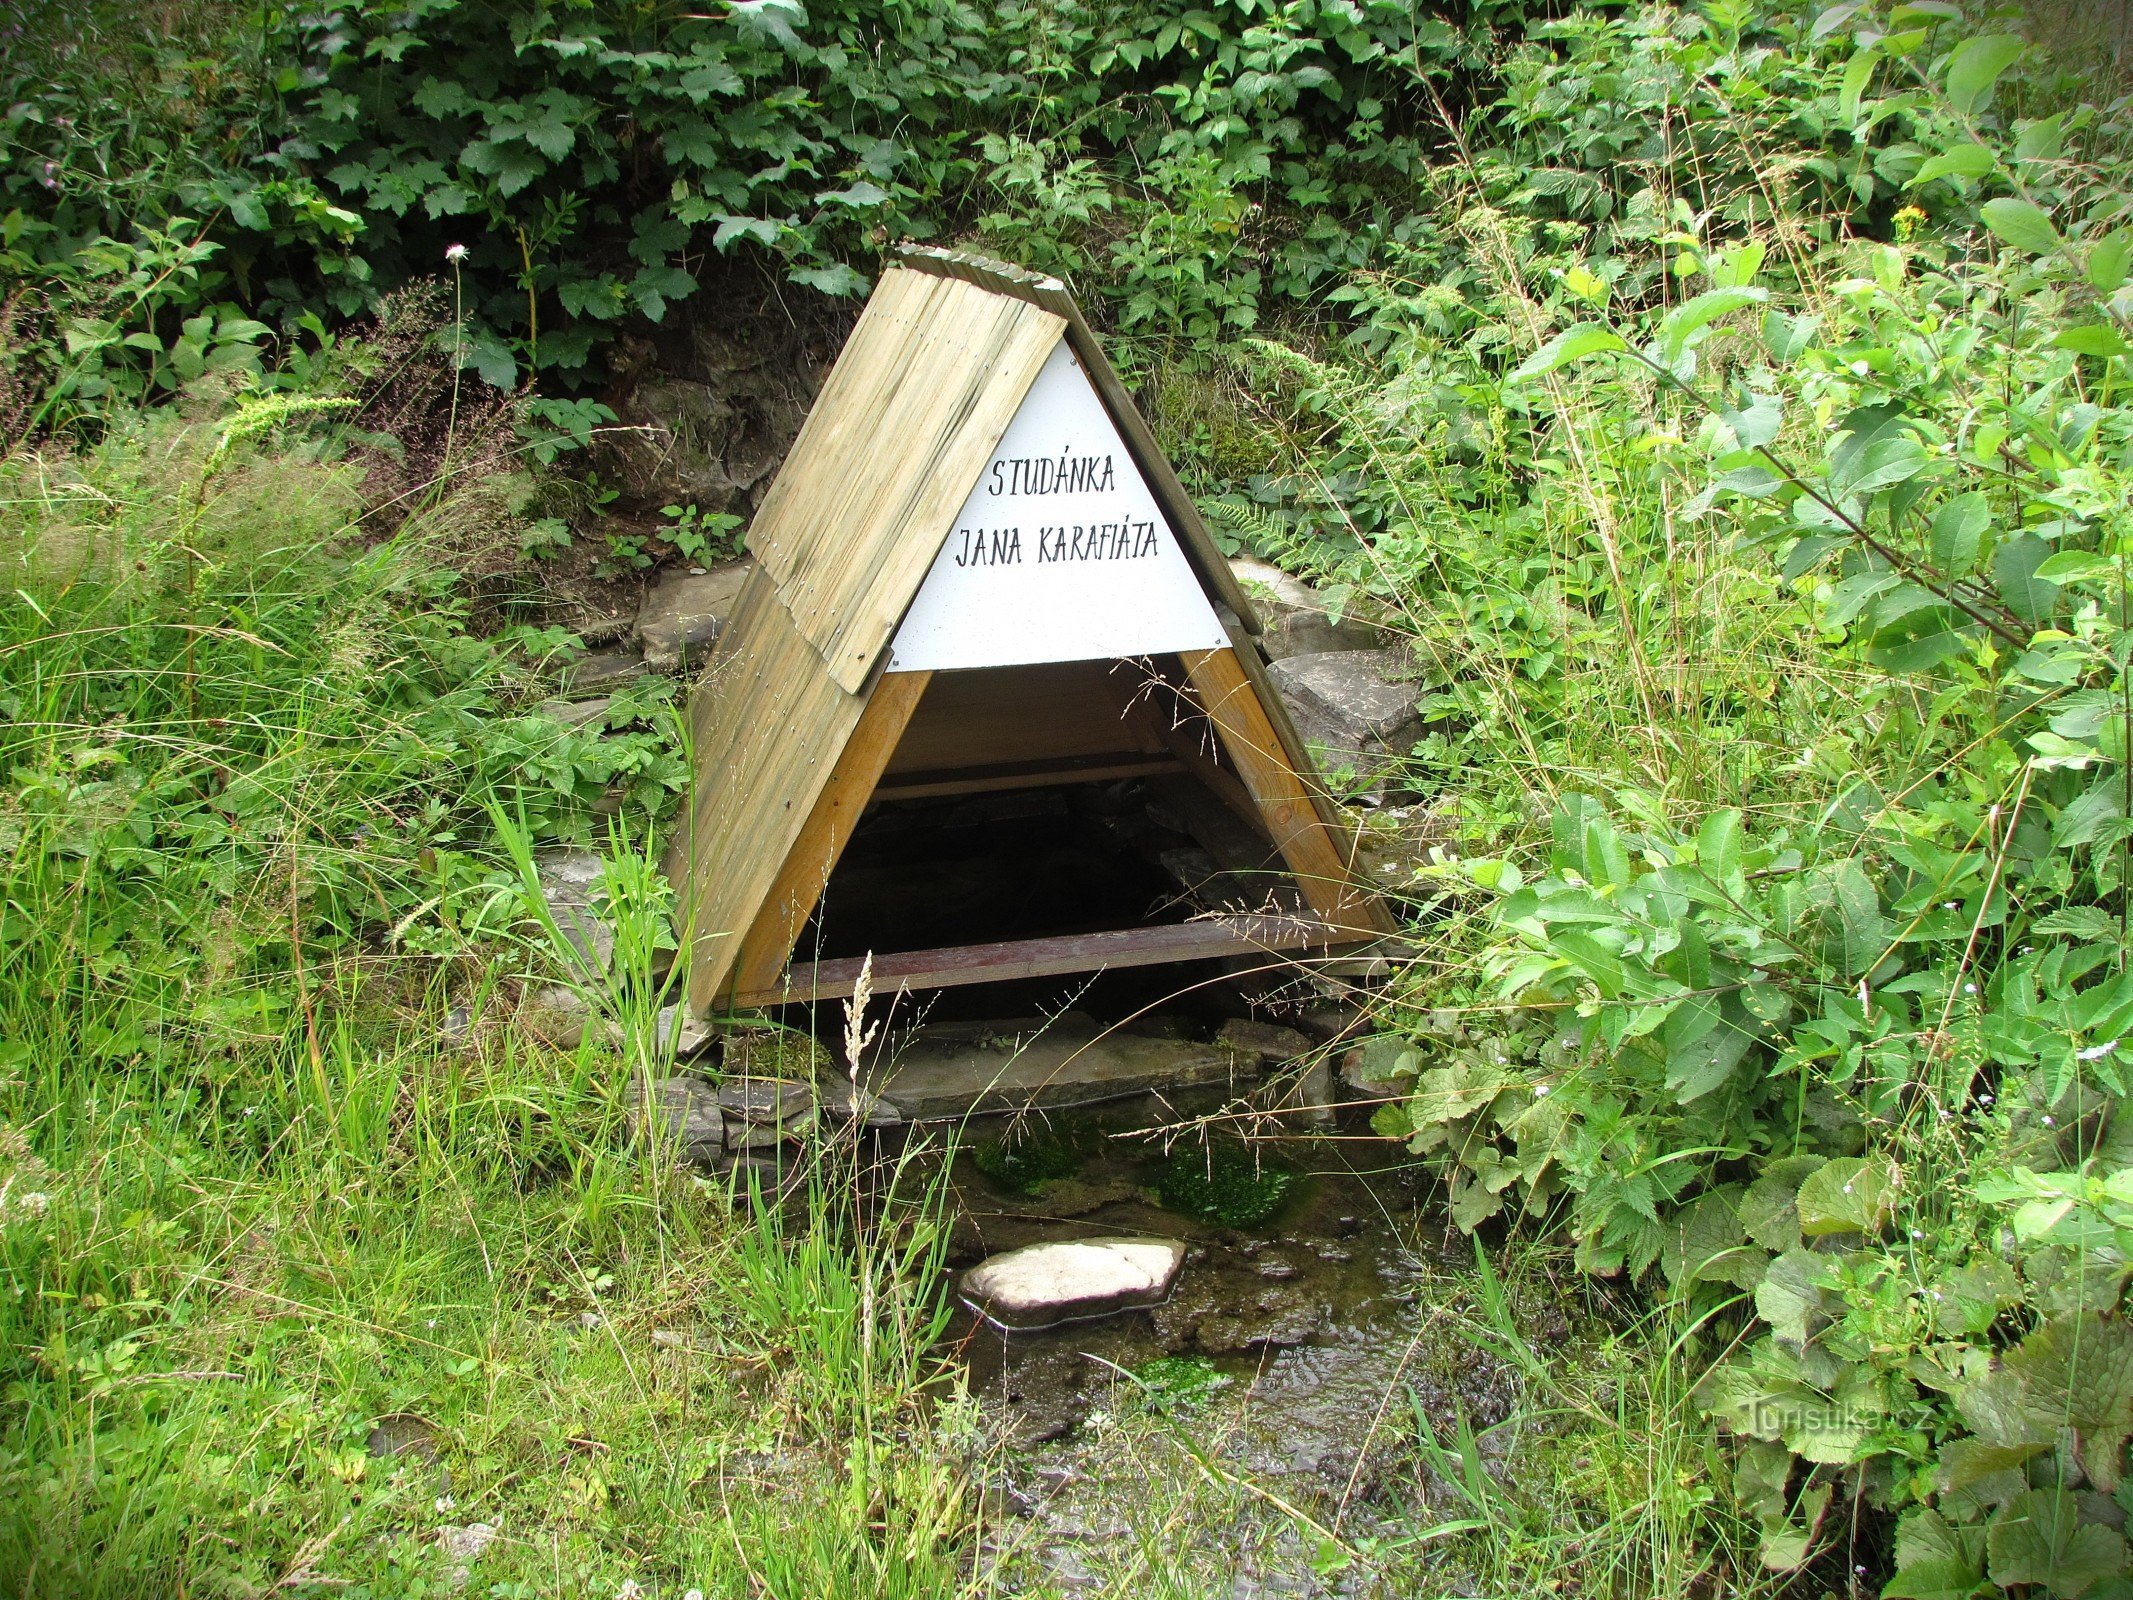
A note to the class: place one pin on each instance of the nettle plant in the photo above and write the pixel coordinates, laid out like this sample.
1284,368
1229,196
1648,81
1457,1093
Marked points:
1851,1075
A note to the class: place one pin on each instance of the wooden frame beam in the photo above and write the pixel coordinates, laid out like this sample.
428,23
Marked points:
1284,798
1022,775
957,965
806,869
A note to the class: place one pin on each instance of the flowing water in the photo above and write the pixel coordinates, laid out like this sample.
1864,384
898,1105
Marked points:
1254,1433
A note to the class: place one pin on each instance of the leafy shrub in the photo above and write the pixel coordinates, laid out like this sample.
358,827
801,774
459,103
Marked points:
1805,507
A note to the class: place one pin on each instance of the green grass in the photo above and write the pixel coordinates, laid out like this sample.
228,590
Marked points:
267,816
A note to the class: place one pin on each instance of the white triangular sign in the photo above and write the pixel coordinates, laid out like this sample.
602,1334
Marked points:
1061,552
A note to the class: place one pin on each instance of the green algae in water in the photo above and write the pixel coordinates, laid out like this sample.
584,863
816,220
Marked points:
1032,1153
1179,1383
1224,1183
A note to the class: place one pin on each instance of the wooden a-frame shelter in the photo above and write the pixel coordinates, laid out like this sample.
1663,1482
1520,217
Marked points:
933,614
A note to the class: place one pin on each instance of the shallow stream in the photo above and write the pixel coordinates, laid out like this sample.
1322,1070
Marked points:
1213,1443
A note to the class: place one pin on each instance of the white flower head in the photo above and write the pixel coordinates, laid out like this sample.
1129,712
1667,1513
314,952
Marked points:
455,253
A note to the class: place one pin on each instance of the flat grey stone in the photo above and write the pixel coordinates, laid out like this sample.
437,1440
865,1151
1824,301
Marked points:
769,1100
1042,1285
1071,1063
678,1024
685,612
679,1114
840,1099
1270,1044
1356,707
603,669
567,879
1383,1068
741,1134
1294,615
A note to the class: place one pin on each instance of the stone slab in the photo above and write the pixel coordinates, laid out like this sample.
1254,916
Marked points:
1069,1064
1264,1040
603,670
680,1114
684,613
1071,1280
567,879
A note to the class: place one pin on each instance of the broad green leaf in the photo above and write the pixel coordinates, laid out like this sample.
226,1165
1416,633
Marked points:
2041,138
1702,1058
1934,1559
2039,1538
1854,1194
1959,532
2095,339
1857,74
2108,260
1807,552
2076,566
1976,66
1794,1295
1686,321
1718,844
1756,422
2027,227
1572,344
2015,567
1971,160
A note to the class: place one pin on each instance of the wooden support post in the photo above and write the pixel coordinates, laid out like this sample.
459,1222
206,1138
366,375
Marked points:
760,963
1285,802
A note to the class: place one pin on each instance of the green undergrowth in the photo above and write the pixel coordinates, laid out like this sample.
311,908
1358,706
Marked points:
279,1155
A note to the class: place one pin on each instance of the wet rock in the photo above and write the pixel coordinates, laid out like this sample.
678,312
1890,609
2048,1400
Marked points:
742,1134
1063,1199
574,713
677,1026
685,612
568,879
1356,708
1263,1042
603,670
842,1099
679,1114
1071,1063
1333,1020
1314,1096
1224,1335
1042,1285
1295,616
775,1101
710,407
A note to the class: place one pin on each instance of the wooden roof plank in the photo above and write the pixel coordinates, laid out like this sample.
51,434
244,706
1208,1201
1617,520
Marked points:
768,726
913,409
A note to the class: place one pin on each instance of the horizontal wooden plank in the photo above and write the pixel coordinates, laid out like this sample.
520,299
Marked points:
1022,775
1044,958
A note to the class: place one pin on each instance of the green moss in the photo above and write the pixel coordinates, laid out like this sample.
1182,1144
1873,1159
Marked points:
1032,1153
1179,1383
1225,1183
